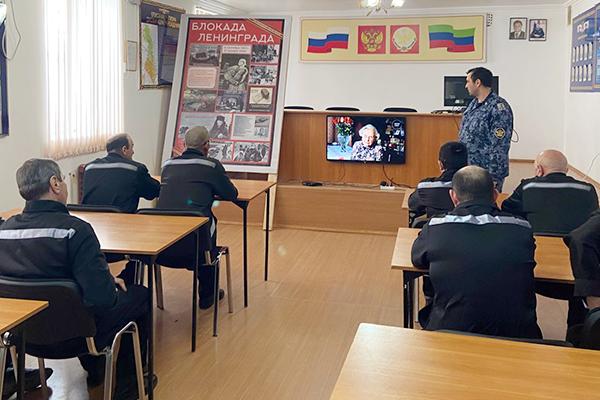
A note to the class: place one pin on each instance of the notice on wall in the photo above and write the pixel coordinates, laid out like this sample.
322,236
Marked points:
585,52
230,78
444,38
159,32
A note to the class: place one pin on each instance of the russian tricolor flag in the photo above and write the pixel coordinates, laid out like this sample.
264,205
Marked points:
334,38
455,40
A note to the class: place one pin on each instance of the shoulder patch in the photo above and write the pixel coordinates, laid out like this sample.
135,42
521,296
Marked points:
499,133
501,107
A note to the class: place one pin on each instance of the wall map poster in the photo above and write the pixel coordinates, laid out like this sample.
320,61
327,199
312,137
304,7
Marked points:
451,38
230,78
159,31
585,52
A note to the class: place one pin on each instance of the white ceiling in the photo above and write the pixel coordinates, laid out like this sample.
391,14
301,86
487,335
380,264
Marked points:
258,6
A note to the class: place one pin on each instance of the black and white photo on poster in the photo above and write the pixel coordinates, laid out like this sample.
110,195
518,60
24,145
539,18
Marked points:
217,124
204,54
264,75
230,102
251,127
265,54
222,151
196,100
234,72
260,99
251,152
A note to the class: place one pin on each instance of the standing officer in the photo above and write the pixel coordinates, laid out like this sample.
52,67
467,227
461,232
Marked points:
487,125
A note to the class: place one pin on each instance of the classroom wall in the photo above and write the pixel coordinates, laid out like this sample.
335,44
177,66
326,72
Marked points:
144,110
531,79
582,113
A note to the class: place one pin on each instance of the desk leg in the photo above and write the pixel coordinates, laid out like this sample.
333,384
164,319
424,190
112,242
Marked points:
408,299
267,208
151,328
245,234
21,365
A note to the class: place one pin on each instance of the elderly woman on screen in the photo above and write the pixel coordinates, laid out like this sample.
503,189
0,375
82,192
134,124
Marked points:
367,149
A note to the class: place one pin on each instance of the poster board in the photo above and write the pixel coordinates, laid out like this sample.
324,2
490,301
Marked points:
230,77
417,39
584,73
159,32
3,88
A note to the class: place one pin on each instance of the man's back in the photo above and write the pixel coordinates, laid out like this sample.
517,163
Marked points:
192,181
481,265
117,181
554,203
431,196
45,242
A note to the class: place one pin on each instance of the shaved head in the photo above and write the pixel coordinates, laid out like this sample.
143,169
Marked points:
550,161
196,137
473,183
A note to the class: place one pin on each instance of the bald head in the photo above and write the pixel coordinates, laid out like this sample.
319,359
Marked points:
197,138
472,183
551,161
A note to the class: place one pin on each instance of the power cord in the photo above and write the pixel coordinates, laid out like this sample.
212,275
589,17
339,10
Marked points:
4,49
518,137
587,175
391,179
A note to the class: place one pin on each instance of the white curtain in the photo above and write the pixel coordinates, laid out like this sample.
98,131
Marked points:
83,75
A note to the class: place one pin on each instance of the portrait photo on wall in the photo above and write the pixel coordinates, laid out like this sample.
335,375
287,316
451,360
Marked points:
538,30
234,72
517,28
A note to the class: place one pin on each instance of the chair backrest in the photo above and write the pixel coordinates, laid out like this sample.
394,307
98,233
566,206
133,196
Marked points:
556,209
399,109
336,108
182,253
66,316
298,108
590,334
93,208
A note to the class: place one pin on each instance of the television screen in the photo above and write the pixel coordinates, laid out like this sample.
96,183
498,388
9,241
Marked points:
455,93
363,138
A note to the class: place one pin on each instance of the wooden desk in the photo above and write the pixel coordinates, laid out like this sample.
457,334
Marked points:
145,237
393,363
13,312
551,255
249,190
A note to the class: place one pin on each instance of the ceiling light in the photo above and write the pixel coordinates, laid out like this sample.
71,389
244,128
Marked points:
370,3
397,3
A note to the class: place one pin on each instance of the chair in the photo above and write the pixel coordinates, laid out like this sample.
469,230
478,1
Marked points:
335,108
298,108
172,258
66,329
590,334
400,109
93,208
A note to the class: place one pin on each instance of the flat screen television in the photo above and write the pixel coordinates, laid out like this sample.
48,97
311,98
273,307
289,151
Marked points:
455,93
366,139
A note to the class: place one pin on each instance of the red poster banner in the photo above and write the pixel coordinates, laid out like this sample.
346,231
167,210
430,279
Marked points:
230,84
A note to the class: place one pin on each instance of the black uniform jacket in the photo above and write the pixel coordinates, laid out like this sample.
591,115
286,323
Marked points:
554,204
116,181
481,265
192,181
46,242
432,196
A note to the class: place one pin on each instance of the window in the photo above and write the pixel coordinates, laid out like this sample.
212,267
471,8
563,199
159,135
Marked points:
83,75
201,11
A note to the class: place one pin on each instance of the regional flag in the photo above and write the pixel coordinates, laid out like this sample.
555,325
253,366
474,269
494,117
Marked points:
454,40
334,38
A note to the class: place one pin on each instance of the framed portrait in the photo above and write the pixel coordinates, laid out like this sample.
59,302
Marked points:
517,29
538,30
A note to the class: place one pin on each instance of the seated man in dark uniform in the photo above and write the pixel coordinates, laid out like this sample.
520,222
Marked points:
554,204
584,246
481,263
116,180
46,242
192,181
432,194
